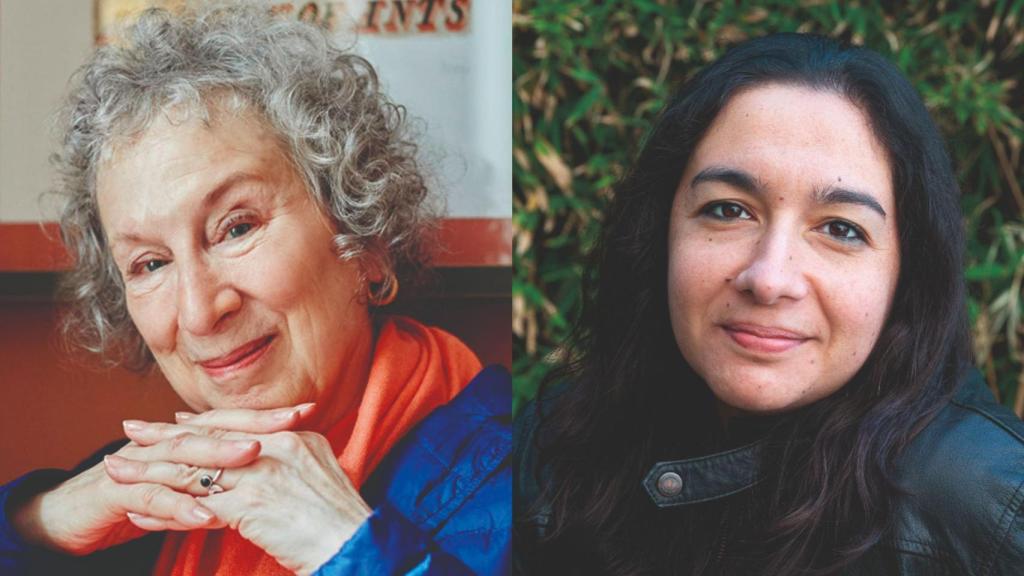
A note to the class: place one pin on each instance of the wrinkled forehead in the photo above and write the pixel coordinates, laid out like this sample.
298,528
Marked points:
185,133
182,163
176,106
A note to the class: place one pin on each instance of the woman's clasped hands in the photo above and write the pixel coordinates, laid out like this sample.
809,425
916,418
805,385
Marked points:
283,490
245,469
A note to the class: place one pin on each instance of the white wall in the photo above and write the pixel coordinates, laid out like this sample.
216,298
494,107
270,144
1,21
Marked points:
41,43
460,85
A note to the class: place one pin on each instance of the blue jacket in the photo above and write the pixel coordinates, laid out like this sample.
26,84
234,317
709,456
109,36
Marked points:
442,501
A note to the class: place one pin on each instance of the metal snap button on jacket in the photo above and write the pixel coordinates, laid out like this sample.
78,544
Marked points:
670,484
703,478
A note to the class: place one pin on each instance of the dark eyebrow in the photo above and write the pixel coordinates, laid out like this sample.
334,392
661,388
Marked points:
838,195
731,176
750,184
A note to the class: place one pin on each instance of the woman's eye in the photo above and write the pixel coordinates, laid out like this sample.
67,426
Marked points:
727,211
843,231
239,230
147,266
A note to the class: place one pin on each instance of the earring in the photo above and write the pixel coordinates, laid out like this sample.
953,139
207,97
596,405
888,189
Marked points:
378,298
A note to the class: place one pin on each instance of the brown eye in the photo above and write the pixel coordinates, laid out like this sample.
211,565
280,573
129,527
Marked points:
727,211
843,231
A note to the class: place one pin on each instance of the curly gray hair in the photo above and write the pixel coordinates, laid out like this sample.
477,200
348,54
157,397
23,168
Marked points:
349,142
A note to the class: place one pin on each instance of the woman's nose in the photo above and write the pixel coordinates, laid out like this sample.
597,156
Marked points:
774,270
205,297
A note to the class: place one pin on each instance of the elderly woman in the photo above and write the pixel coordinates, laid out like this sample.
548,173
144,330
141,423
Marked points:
772,373
241,197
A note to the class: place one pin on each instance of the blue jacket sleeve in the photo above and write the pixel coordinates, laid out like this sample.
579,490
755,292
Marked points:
443,497
16,555
390,544
20,558
387,543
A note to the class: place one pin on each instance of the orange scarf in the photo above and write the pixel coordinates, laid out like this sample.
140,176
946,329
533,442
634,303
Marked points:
414,370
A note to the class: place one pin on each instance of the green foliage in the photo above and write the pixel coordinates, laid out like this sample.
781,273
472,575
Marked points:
590,76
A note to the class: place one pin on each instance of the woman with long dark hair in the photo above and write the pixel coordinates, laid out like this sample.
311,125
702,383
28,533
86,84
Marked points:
771,371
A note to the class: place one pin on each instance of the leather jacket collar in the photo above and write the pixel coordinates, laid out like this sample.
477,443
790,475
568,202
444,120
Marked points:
704,478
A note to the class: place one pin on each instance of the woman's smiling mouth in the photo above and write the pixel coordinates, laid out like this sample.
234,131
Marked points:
763,339
242,357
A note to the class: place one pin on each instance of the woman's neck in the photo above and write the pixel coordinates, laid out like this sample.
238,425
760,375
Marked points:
741,427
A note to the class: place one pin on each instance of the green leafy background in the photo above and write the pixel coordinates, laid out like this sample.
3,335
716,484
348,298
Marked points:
589,77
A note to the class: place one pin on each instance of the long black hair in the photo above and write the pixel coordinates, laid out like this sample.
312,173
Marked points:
632,400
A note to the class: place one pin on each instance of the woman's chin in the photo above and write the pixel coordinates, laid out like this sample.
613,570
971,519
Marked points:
761,397
768,389
256,396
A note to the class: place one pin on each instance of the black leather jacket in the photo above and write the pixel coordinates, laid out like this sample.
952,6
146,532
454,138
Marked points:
963,475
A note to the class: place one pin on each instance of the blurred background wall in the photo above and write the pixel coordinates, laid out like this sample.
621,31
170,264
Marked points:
589,78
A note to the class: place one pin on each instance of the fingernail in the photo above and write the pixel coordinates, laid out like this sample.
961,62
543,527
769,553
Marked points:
202,514
285,414
133,425
134,516
305,409
183,416
245,445
112,461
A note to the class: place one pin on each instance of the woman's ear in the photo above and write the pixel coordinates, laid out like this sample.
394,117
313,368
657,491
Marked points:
372,269
380,281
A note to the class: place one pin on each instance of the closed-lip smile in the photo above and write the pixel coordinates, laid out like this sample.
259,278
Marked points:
244,355
764,339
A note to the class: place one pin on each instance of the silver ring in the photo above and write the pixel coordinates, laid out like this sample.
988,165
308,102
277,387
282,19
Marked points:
210,482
